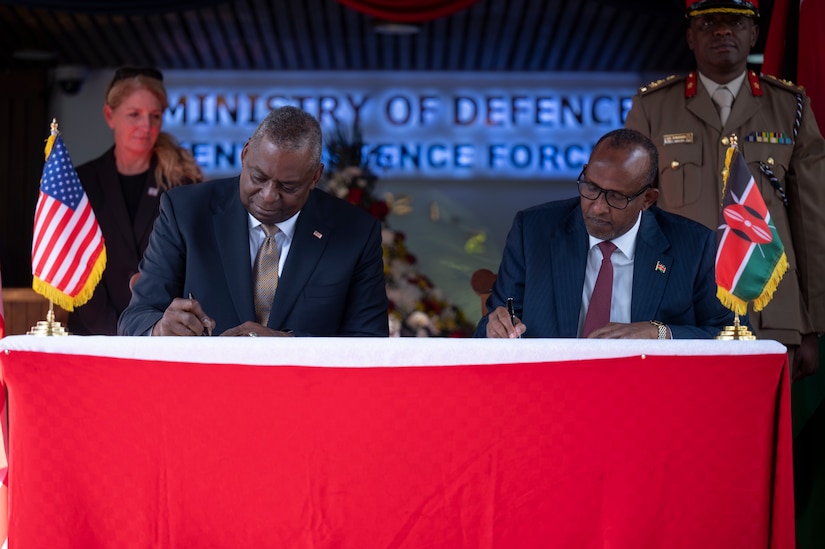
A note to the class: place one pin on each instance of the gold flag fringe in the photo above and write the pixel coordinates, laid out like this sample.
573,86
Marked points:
730,301
770,286
65,301
726,173
740,306
50,143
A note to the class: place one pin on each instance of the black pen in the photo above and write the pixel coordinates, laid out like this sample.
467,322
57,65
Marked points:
512,312
205,331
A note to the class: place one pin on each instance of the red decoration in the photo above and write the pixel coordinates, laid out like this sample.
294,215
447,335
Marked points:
408,11
746,223
690,84
756,86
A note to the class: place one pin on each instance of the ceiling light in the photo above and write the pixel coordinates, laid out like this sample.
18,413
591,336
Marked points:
383,26
33,55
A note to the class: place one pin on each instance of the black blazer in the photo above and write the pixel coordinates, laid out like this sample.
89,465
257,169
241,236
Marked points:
125,242
544,265
332,282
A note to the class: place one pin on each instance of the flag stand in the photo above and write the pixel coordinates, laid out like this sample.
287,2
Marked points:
68,251
737,331
48,327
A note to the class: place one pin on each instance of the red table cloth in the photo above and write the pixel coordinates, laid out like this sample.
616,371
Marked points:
361,443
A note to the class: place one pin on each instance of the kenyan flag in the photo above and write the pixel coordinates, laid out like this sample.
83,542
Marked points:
750,258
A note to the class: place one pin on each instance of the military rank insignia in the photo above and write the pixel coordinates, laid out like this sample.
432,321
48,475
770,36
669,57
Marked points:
769,137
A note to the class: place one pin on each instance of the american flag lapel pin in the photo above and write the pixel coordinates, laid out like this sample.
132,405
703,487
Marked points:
317,235
660,267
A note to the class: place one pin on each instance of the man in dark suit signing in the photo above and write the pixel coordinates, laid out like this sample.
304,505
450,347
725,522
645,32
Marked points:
662,281
217,248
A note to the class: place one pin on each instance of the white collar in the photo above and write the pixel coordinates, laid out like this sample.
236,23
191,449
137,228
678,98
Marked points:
626,243
734,85
286,227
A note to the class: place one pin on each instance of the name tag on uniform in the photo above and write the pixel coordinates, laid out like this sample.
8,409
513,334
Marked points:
677,138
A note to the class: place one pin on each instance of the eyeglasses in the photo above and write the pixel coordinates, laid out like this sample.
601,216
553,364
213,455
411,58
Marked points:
615,199
123,73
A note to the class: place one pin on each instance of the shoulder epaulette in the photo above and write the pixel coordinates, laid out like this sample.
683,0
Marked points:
780,83
659,84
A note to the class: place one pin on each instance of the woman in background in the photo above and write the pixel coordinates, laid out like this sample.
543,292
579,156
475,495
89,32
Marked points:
124,187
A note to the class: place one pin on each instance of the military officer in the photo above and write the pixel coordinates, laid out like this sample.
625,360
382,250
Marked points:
779,138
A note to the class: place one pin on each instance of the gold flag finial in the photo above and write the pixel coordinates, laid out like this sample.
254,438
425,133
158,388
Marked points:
53,126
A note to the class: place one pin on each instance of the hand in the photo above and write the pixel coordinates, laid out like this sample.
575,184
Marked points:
805,357
500,325
184,317
249,328
620,330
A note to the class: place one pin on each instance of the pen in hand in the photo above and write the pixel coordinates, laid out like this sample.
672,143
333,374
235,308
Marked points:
205,330
512,312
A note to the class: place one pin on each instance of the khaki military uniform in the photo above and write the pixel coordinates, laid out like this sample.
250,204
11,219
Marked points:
680,118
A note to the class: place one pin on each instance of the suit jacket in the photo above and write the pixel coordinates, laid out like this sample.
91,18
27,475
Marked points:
332,282
544,264
125,242
691,182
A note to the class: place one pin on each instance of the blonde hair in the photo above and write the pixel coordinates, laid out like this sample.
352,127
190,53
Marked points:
176,165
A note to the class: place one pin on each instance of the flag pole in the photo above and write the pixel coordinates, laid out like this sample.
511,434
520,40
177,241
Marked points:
49,327
737,331
745,225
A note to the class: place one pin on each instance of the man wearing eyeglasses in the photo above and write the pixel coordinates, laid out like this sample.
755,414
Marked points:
661,266
691,119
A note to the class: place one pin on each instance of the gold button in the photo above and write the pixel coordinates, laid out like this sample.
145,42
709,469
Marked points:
675,164
770,161
726,141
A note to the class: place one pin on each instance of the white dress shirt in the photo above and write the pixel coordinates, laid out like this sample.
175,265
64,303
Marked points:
622,260
286,229
734,85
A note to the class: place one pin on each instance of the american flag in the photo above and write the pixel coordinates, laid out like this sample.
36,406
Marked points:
68,253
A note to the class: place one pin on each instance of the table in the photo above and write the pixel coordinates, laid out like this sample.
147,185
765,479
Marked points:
402,443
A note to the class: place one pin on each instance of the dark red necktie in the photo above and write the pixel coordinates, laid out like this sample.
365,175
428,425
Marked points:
598,313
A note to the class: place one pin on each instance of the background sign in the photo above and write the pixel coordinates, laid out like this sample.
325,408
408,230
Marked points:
432,125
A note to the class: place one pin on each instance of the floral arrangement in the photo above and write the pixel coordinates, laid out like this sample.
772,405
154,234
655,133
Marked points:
417,307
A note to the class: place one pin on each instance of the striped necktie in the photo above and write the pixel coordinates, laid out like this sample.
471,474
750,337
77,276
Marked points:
265,274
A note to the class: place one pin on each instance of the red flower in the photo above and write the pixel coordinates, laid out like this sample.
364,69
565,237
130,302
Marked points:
379,210
355,195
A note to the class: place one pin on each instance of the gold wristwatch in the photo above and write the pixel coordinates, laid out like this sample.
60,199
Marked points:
662,328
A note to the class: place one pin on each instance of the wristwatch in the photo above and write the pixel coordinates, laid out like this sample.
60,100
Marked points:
662,328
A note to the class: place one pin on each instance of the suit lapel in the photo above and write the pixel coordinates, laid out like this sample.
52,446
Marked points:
147,207
702,106
231,228
745,107
312,232
651,269
571,246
